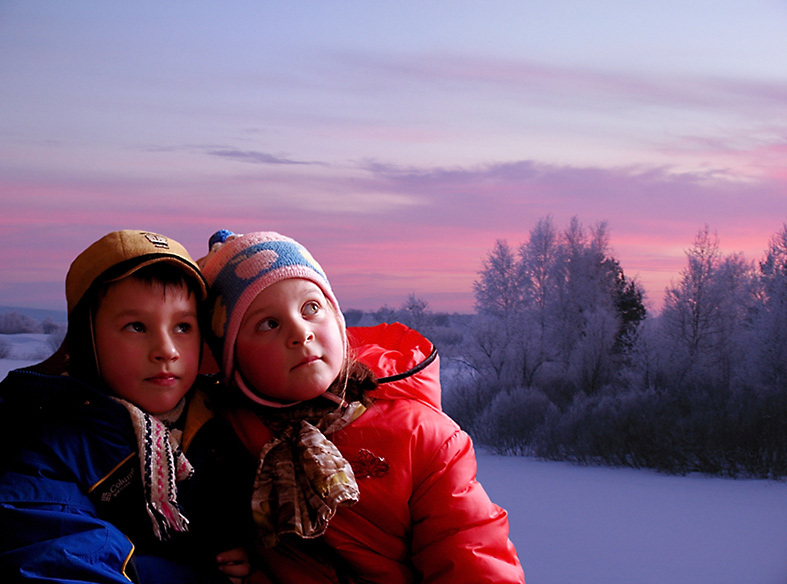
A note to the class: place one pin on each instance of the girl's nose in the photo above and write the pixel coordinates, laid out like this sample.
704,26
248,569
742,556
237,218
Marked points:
301,334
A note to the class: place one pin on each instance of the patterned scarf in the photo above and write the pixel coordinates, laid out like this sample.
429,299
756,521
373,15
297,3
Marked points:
302,478
163,464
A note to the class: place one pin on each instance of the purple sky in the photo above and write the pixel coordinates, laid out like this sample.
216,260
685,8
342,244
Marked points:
397,141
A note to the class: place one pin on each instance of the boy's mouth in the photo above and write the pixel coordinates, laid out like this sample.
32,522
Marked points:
163,378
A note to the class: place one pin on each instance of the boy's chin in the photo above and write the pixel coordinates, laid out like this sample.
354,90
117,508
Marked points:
160,409
163,405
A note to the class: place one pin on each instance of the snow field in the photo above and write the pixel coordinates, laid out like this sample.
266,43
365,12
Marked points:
594,525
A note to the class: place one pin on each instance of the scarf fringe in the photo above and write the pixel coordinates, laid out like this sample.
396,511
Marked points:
167,519
163,465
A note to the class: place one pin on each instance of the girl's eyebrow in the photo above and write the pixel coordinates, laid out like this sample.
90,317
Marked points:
255,314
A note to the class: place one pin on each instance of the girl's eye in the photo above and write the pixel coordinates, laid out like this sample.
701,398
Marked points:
135,327
267,324
311,308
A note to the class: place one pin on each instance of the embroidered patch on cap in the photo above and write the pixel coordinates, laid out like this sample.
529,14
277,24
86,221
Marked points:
157,240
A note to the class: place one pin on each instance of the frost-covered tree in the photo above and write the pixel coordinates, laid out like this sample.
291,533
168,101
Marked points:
644,356
691,306
498,291
537,258
705,312
768,341
545,304
536,279
583,286
591,363
499,307
416,313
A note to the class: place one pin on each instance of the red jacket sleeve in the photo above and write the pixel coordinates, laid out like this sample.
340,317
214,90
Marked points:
459,535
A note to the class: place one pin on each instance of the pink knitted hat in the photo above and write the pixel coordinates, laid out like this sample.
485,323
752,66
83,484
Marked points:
237,268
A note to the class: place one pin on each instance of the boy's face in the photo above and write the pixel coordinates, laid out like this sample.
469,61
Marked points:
148,343
290,345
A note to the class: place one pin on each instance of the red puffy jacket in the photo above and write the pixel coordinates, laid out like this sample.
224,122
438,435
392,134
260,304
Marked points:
422,516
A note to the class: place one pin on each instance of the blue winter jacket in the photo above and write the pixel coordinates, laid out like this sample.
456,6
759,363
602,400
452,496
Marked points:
72,507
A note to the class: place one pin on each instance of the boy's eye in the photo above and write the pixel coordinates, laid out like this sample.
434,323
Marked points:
267,324
184,327
311,308
136,327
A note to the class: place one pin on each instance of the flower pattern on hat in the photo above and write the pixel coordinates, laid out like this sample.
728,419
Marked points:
248,268
240,266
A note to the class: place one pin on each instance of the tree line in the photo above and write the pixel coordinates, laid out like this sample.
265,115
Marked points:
562,360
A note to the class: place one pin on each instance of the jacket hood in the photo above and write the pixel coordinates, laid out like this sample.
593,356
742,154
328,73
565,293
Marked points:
404,361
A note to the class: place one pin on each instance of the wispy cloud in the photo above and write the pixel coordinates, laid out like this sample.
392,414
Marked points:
529,80
254,157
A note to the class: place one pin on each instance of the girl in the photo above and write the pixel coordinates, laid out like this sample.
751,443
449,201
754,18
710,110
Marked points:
354,473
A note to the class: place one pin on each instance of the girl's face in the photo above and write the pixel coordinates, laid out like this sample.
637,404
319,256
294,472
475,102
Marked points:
290,346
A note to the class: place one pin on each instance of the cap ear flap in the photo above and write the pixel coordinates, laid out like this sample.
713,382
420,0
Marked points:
82,361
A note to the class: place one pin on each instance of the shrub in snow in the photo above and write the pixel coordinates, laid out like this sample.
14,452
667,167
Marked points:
12,323
55,339
513,419
466,401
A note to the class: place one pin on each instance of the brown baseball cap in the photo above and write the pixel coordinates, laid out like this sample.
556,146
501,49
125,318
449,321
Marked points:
130,247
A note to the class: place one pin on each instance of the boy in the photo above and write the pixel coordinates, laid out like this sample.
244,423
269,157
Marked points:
93,476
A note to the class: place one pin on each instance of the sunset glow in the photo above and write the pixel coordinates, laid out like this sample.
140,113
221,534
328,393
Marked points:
397,141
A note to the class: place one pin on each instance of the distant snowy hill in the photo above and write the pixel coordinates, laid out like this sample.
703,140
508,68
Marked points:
58,316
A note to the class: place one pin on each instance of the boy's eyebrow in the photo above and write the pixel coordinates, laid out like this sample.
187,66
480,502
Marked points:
126,312
129,312
188,313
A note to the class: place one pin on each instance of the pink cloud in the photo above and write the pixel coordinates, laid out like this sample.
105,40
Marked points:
408,230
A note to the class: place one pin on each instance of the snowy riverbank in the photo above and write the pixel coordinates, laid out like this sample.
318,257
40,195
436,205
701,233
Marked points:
590,525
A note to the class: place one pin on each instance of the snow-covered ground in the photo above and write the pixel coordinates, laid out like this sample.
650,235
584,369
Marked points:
583,525
24,349
580,525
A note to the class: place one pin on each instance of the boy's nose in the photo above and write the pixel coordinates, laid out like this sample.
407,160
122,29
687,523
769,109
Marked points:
164,349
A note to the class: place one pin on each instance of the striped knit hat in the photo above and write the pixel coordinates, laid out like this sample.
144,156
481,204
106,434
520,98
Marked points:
237,268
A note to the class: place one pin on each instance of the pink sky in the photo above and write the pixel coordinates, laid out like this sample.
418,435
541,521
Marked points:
397,144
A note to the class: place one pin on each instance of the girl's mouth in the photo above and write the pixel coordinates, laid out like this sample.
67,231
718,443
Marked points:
307,361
